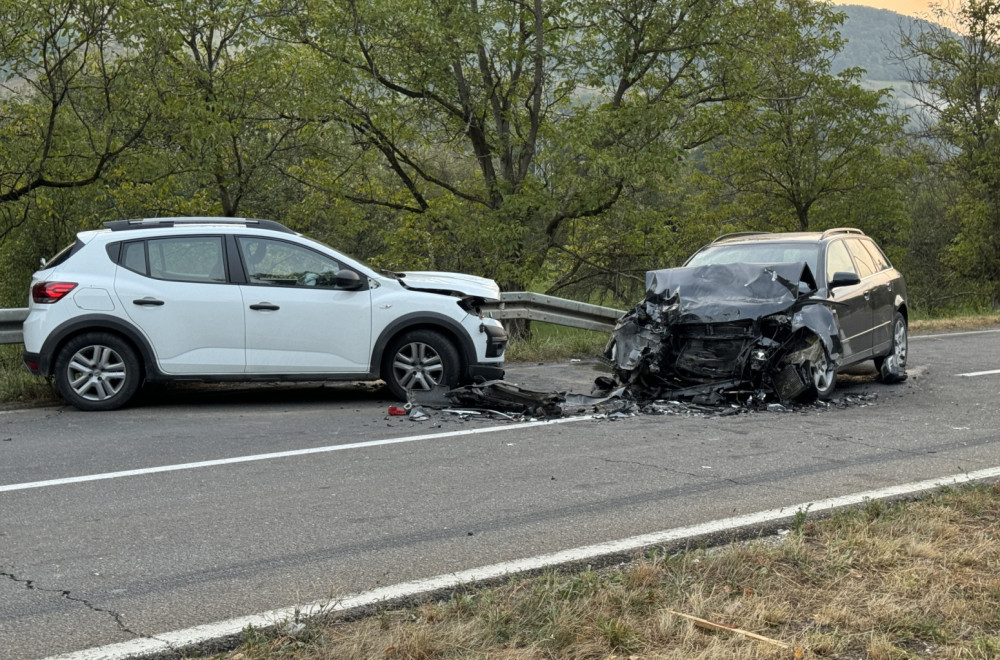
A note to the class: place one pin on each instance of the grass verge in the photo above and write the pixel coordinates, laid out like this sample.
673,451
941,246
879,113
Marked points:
883,581
17,384
952,324
550,343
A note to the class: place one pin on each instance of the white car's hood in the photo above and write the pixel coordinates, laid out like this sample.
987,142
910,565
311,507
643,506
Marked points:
467,285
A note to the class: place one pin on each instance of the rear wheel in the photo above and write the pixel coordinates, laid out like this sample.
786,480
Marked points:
420,360
97,371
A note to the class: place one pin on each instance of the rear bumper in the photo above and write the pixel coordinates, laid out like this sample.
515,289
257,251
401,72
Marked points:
33,362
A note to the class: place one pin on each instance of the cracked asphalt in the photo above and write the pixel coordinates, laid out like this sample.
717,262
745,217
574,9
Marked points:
94,563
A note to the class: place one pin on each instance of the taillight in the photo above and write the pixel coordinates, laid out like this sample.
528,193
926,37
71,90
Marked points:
46,293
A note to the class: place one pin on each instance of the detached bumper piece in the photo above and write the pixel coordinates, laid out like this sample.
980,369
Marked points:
498,395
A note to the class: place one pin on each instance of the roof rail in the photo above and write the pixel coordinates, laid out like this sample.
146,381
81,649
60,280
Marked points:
146,223
739,233
842,230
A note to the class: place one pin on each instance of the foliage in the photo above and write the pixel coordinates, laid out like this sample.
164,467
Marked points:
68,101
534,120
810,136
960,78
564,146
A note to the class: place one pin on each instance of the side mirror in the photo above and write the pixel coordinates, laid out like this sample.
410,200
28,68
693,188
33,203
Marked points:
843,278
347,280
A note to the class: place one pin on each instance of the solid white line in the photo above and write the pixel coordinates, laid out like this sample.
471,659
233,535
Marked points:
980,373
285,454
945,335
201,634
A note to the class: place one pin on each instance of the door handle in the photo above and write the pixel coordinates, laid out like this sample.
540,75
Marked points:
147,302
265,306
868,295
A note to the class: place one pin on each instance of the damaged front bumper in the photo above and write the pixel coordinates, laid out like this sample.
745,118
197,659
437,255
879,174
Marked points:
727,331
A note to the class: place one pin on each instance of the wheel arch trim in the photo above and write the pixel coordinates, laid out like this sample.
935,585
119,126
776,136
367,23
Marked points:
425,321
96,323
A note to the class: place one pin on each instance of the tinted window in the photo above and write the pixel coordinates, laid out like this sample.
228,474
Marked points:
135,257
838,260
878,258
861,257
187,259
278,263
758,253
64,254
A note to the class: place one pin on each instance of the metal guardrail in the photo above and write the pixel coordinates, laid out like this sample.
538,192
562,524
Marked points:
10,325
539,307
512,305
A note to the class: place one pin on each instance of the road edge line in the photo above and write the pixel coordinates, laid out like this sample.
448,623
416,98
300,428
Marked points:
172,642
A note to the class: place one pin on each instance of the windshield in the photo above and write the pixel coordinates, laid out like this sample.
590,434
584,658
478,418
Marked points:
758,253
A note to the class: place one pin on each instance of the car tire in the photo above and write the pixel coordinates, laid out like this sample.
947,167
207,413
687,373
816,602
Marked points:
822,377
97,371
420,360
897,353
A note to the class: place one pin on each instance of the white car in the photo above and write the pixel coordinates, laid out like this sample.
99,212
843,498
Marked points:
224,299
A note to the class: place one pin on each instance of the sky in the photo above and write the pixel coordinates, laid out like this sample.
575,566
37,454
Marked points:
918,8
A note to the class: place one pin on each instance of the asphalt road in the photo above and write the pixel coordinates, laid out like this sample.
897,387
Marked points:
90,563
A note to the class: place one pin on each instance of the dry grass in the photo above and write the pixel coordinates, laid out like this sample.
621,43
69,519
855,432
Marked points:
973,322
882,582
17,385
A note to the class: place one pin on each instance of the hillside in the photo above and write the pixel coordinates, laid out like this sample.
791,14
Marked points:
872,38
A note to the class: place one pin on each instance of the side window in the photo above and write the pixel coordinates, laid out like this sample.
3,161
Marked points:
186,259
861,257
838,260
878,258
277,263
134,257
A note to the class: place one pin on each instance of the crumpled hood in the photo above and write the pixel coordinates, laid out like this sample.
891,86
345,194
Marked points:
451,283
719,293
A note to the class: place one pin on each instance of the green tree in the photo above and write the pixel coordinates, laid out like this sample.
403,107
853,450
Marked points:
506,129
227,100
68,107
956,77
808,136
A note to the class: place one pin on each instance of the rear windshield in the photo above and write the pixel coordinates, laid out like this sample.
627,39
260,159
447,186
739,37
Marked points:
64,254
758,253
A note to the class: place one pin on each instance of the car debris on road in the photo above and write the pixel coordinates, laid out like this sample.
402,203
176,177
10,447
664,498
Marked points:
491,400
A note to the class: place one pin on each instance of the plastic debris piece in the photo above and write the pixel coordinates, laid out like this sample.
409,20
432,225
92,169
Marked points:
293,627
396,411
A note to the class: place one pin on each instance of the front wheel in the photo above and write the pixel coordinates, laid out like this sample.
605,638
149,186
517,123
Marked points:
823,376
420,360
97,371
892,367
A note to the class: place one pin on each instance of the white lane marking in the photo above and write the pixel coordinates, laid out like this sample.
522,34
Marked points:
945,335
200,634
980,373
284,454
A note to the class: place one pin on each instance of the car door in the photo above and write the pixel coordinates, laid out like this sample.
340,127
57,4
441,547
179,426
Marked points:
851,304
297,320
176,291
883,295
